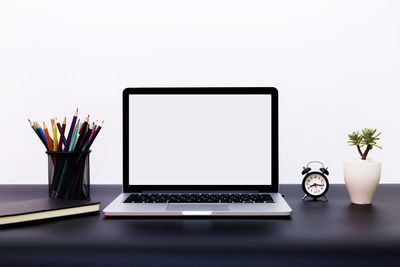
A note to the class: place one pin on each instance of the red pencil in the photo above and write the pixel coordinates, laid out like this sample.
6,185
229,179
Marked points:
62,134
46,133
84,124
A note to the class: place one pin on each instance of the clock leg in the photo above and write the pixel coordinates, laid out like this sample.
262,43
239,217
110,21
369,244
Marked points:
304,197
326,199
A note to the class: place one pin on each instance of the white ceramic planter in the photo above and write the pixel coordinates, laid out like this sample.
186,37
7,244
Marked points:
361,178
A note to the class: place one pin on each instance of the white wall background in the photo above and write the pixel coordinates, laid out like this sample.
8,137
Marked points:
335,63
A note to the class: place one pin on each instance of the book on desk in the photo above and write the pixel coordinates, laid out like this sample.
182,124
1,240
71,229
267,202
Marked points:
46,208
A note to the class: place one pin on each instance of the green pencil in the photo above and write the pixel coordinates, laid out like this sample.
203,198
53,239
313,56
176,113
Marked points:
71,147
37,133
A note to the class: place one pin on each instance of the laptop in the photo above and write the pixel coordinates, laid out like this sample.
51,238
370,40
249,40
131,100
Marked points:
200,152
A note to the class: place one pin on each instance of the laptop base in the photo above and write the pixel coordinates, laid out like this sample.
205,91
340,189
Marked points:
119,208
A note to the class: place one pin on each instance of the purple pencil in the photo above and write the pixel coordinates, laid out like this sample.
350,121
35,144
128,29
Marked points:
71,131
64,141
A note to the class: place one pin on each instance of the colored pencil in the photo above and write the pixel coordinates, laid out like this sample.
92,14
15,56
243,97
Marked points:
93,131
76,141
86,138
71,131
33,127
71,147
41,132
62,131
54,128
64,141
93,137
37,133
80,126
46,132
77,137
82,132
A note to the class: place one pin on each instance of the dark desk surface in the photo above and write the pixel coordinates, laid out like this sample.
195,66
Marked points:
318,233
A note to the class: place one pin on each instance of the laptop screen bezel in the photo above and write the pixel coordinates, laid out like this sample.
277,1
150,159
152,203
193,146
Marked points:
273,187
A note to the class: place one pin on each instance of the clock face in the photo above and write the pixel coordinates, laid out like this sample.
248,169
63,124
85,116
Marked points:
315,184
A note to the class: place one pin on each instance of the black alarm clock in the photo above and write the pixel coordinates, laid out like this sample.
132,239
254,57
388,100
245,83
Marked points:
315,183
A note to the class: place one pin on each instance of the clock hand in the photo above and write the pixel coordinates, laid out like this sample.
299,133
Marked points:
319,185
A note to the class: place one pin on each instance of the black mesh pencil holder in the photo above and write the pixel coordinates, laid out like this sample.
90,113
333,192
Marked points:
69,176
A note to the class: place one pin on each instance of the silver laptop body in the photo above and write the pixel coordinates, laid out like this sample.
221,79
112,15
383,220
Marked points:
208,144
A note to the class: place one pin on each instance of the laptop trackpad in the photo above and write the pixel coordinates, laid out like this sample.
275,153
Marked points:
197,207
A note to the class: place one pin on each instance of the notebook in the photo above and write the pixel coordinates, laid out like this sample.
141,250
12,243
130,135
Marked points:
39,209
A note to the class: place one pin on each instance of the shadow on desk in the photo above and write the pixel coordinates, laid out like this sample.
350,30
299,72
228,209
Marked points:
195,226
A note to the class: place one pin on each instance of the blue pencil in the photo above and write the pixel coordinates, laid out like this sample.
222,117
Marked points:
41,132
71,131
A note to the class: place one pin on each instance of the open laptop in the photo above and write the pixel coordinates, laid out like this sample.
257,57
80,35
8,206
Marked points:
200,151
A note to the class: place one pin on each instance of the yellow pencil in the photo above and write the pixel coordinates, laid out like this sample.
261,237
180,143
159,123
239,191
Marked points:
55,139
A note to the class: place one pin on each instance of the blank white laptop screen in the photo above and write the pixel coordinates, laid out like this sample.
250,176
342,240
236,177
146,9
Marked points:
200,139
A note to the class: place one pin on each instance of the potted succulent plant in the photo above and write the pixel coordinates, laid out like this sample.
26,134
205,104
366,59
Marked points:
362,175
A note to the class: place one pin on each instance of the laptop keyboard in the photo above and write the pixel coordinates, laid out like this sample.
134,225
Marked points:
199,198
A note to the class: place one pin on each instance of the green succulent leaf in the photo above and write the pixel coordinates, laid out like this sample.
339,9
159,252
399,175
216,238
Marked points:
367,138
355,139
